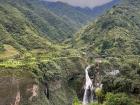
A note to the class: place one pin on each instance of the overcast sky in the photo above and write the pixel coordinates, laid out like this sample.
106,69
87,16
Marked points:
84,3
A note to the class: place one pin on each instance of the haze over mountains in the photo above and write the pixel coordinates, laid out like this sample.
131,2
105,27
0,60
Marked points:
77,14
83,3
46,46
56,21
117,30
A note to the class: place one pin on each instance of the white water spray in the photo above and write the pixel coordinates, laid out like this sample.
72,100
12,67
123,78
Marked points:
88,88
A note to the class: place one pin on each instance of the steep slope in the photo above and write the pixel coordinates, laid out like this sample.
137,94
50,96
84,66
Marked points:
114,34
114,39
53,82
35,13
56,76
56,21
69,13
29,62
17,31
99,10
77,15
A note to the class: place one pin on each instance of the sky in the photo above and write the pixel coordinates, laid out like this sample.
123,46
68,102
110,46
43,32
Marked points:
84,3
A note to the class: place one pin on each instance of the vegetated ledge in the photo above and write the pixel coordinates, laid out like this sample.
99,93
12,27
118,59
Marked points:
55,73
39,68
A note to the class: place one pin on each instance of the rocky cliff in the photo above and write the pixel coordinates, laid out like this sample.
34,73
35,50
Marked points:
54,82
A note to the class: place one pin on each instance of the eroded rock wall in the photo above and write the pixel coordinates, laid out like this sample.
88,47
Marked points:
53,83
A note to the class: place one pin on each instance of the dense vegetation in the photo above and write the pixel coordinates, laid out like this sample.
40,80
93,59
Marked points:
78,16
30,29
115,37
33,24
118,30
112,99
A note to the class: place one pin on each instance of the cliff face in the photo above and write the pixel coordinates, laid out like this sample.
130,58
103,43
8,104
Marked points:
51,83
14,91
63,79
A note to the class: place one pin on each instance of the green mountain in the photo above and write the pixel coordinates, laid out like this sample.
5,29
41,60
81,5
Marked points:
68,13
36,70
77,16
114,39
33,24
114,34
24,22
16,30
37,16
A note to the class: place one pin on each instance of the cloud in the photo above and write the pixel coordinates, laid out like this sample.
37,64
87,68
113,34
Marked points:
84,3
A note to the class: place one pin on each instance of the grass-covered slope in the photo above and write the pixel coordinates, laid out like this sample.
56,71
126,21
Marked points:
32,17
58,71
17,31
69,13
23,23
28,26
115,33
115,38
77,16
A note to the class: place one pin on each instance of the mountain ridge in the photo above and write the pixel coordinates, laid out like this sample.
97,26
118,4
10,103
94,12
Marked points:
117,22
37,68
91,13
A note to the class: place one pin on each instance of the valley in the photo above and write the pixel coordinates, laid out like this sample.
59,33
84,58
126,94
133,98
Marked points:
52,52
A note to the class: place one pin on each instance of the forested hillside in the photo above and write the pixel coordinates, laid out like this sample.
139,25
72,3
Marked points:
114,34
36,16
77,15
115,38
43,53
25,22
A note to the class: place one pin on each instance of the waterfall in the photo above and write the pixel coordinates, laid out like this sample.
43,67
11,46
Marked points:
88,96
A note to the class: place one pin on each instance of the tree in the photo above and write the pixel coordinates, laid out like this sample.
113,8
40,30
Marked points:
99,94
76,101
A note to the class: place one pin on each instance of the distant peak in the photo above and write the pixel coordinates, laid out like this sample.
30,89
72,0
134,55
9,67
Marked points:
83,3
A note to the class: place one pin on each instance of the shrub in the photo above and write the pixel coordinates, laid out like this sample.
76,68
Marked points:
118,99
1,48
99,94
76,101
95,103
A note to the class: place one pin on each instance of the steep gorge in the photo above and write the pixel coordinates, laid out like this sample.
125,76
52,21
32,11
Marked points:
42,73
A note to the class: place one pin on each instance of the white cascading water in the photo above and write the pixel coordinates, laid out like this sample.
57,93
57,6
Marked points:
88,87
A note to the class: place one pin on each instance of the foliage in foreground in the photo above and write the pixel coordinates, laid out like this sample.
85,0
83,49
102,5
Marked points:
112,99
118,99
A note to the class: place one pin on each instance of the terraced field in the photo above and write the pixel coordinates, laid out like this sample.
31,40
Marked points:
9,52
